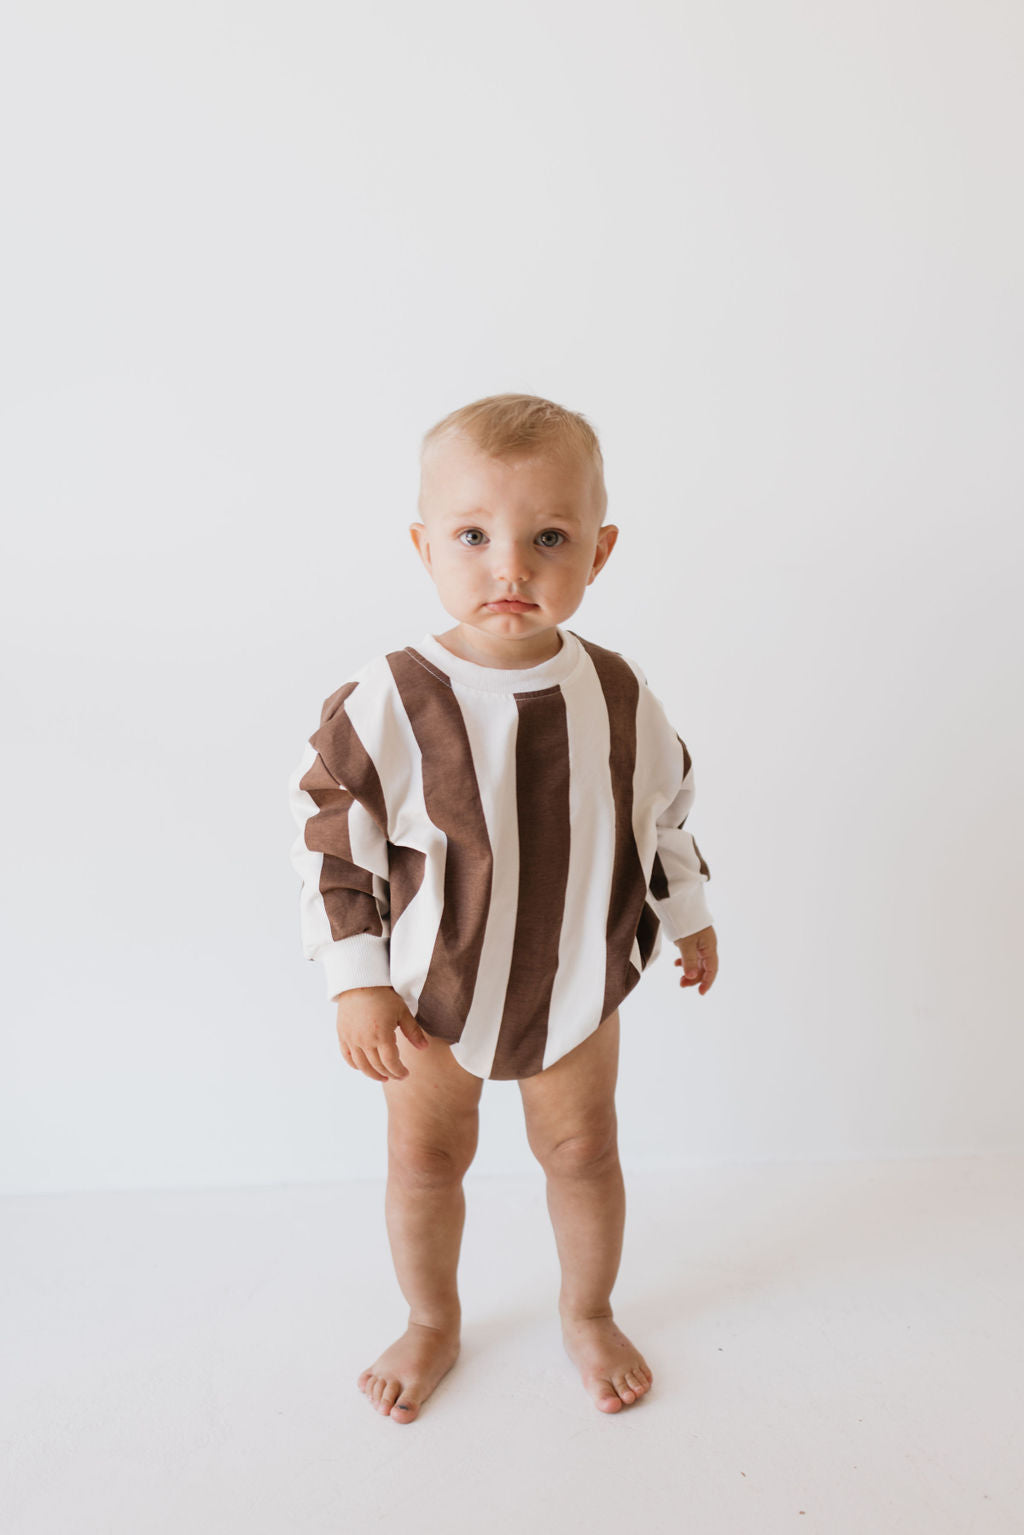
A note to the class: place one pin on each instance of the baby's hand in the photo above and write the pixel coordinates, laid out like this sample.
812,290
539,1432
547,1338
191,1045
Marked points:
699,958
367,1019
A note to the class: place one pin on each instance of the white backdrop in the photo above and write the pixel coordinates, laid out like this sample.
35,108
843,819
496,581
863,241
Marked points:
252,251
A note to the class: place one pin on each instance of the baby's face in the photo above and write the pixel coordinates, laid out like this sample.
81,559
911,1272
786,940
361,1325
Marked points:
511,544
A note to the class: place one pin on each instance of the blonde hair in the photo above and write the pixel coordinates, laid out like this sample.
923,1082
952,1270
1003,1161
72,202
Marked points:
501,425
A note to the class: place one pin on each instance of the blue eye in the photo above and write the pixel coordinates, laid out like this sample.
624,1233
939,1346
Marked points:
472,538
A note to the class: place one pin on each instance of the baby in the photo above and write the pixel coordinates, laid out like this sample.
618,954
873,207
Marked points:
491,842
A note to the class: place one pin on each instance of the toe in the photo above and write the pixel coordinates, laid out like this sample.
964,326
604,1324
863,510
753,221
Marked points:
405,1409
389,1396
625,1390
605,1395
636,1381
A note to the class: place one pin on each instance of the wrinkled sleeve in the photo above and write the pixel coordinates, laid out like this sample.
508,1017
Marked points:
679,873
340,854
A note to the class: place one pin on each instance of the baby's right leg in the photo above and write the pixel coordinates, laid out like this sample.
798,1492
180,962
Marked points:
433,1124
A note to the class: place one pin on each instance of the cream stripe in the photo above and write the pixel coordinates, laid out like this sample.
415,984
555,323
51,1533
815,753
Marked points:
379,719
364,835
578,993
492,721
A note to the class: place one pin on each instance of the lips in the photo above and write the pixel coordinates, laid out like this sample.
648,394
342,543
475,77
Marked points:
511,605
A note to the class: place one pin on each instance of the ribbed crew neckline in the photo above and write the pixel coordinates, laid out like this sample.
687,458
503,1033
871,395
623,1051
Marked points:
494,679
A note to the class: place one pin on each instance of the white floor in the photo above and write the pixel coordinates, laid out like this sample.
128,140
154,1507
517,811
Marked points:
836,1349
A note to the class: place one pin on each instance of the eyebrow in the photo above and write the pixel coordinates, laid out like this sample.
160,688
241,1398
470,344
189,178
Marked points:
557,514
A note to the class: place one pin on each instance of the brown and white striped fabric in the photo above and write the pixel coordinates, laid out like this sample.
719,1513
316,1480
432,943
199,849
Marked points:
503,848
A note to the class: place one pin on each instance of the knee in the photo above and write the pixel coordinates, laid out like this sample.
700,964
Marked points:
429,1164
579,1156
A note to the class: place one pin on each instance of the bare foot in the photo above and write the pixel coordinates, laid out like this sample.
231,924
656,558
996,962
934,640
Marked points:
614,1371
406,1373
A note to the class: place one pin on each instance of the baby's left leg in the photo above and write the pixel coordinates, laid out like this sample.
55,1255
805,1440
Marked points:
572,1131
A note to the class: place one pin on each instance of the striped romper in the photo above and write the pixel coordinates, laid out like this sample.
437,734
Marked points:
502,848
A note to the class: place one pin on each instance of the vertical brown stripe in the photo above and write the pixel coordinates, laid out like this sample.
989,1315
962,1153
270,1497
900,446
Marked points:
405,876
452,798
687,764
646,932
346,757
659,879
341,774
347,889
626,907
542,809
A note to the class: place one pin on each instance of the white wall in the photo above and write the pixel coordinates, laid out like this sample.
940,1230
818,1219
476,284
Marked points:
252,252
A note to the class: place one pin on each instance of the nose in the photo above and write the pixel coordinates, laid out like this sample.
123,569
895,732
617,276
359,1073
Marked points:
511,561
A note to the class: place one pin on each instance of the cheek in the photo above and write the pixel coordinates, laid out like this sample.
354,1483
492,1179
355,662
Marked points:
575,572
455,574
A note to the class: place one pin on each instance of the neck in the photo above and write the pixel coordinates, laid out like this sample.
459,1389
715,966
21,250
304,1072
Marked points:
502,654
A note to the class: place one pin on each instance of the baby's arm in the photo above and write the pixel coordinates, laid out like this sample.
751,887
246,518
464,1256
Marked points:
680,874
341,855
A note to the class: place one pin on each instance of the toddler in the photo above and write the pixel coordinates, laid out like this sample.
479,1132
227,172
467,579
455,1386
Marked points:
491,841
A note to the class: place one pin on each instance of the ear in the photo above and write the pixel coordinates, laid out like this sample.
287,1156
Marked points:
418,534
606,540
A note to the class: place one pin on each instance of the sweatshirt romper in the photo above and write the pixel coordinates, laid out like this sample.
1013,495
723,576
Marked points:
502,848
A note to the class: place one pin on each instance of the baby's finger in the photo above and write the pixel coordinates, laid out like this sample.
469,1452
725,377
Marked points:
377,1056
391,1060
710,971
366,1066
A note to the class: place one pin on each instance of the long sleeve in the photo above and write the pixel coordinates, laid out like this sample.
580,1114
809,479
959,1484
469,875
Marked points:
341,854
680,873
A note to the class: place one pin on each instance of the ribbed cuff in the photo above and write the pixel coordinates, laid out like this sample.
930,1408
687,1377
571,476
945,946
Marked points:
361,960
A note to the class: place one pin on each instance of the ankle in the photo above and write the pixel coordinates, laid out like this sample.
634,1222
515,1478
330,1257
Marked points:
438,1318
591,1313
